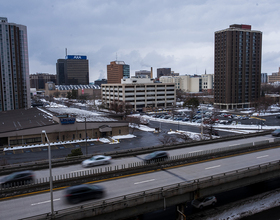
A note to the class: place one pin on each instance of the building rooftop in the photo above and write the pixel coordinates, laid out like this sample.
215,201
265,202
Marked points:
23,119
70,87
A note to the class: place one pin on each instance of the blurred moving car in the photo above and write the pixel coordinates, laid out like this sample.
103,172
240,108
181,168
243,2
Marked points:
276,133
79,193
18,178
96,160
202,202
156,156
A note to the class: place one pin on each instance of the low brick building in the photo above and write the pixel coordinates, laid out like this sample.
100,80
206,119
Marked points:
25,126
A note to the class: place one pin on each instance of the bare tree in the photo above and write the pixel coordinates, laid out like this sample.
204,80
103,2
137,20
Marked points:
208,128
192,102
185,137
114,106
56,93
134,123
167,139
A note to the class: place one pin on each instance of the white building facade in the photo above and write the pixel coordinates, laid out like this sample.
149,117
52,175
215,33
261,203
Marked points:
191,83
139,93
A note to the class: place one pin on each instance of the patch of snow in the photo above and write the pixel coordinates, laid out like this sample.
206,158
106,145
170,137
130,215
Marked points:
248,207
123,136
80,114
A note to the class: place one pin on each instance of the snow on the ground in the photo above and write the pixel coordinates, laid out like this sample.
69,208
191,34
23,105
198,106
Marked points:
80,114
103,140
217,126
248,206
141,127
234,212
46,112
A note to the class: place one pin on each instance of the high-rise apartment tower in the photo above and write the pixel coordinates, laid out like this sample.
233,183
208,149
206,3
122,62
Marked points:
14,66
237,76
116,71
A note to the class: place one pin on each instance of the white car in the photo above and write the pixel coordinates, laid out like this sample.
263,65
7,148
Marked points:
96,160
202,202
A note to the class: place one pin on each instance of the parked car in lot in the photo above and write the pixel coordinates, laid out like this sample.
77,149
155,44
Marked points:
215,133
203,202
276,133
17,178
156,156
96,160
79,193
198,121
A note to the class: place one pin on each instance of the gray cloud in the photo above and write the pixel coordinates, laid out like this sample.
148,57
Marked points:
177,34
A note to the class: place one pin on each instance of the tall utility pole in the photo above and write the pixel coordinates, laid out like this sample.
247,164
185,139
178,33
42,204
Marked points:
86,134
50,169
202,124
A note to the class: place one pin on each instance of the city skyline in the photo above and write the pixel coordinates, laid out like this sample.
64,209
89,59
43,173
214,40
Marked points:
144,34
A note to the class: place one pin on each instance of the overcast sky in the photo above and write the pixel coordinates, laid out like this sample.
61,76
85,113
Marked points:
178,34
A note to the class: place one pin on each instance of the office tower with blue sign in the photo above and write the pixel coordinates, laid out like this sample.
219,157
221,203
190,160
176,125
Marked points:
14,66
73,70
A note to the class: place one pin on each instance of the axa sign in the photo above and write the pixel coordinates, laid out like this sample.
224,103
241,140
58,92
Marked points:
76,57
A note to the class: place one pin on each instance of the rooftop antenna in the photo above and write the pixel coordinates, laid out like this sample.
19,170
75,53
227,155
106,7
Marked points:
116,56
65,51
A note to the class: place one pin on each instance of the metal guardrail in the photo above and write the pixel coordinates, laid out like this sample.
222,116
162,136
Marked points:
75,178
42,164
138,198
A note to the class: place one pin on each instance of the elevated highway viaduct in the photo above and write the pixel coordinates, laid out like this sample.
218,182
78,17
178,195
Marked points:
136,194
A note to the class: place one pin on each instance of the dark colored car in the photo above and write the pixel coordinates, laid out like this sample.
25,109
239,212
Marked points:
156,156
276,133
17,178
79,193
215,132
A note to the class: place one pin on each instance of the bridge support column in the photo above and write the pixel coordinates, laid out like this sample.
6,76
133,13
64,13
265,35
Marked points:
196,194
181,212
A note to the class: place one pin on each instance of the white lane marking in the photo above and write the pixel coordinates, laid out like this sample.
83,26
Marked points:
195,151
212,167
145,181
39,203
262,156
79,171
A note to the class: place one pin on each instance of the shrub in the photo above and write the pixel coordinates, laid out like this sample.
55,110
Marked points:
75,152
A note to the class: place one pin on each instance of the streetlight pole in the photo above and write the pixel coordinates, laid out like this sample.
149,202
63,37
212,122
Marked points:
86,134
202,125
50,168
